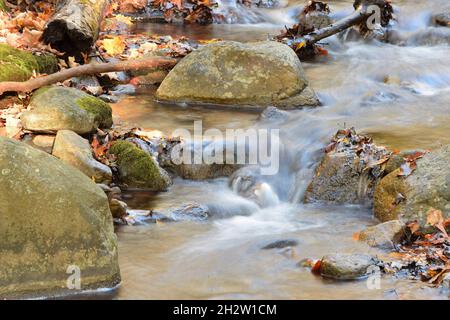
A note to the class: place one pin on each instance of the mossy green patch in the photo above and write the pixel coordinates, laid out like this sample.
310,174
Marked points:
18,65
3,7
100,109
137,168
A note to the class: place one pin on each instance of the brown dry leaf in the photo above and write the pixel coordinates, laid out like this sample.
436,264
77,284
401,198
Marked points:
413,226
436,219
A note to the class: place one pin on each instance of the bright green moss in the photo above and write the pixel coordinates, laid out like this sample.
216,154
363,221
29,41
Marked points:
18,65
100,109
3,7
137,168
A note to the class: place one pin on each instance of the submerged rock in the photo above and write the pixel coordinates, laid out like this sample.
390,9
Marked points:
138,169
232,73
410,198
349,170
274,114
189,211
54,220
280,244
76,151
346,266
59,108
384,235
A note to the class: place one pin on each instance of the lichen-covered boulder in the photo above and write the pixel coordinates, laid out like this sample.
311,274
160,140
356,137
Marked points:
59,108
137,168
410,198
76,151
53,221
383,235
346,266
231,73
18,65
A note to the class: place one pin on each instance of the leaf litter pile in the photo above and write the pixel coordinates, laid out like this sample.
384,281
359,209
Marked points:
425,252
372,158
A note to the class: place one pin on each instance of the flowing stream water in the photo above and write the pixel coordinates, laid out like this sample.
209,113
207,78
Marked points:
222,258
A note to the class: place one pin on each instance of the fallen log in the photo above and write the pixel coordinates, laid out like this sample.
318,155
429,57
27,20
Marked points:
88,69
364,11
75,26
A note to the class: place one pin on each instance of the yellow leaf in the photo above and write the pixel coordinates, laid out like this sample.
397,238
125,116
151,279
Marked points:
300,45
114,46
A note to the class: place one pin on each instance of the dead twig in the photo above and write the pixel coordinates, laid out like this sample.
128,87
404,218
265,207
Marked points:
88,69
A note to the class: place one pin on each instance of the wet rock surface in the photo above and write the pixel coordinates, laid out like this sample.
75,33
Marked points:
384,235
53,217
346,266
410,197
349,171
257,74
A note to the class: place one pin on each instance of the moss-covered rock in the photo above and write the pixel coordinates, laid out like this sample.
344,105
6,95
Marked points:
137,169
59,108
54,220
231,73
410,198
18,65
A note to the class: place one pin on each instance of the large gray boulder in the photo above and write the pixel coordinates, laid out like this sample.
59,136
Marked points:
410,198
54,221
76,151
60,108
231,73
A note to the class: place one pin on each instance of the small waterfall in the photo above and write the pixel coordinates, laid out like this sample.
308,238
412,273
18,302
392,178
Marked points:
266,196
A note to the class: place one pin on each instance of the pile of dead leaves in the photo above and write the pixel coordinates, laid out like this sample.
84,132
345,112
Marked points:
134,46
22,26
373,158
190,11
425,254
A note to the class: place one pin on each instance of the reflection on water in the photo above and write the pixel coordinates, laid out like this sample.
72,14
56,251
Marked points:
398,94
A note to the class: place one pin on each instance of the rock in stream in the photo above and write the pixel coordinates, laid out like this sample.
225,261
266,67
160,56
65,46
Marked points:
53,219
232,73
